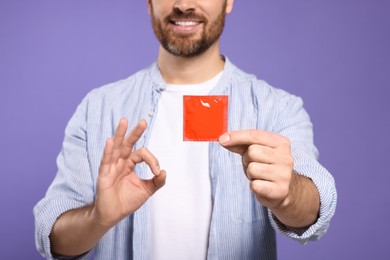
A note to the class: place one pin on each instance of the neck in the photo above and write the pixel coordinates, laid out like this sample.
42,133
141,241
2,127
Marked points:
198,69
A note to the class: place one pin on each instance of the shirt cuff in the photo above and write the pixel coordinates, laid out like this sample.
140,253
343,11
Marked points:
328,198
47,212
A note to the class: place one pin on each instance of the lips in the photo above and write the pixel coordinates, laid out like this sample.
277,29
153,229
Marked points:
186,23
185,26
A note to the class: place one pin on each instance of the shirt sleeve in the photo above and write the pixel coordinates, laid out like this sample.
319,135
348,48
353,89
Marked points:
72,187
294,122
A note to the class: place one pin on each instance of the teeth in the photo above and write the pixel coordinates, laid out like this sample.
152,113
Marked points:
186,23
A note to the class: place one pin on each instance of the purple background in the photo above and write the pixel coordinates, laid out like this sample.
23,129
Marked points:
335,54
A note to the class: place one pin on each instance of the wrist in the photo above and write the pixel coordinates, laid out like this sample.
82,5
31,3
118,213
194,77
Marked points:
100,221
301,206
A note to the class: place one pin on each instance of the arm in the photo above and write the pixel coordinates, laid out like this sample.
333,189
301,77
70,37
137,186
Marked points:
119,193
301,208
268,164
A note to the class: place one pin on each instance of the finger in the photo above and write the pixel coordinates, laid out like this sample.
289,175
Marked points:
269,194
239,149
265,191
155,183
260,171
120,133
132,138
269,172
106,158
258,153
253,136
144,155
159,180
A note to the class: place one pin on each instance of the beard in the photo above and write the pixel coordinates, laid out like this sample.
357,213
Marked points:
187,45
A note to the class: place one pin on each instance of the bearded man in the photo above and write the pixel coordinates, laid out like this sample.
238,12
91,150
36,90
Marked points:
238,157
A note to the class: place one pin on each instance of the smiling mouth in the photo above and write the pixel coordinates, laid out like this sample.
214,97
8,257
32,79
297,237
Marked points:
186,23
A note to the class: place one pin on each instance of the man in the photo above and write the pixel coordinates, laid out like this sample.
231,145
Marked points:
221,200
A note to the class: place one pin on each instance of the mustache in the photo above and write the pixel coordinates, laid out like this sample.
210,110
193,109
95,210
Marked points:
177,14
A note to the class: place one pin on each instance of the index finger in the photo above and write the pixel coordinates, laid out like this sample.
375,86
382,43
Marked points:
249,137
133,137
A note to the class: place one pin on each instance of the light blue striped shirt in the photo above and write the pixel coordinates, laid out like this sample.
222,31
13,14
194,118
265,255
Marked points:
240,227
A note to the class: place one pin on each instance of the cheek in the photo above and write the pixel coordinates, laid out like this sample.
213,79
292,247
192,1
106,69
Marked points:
213,9
165,6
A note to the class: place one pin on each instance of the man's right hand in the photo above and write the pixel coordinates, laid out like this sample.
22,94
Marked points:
120,191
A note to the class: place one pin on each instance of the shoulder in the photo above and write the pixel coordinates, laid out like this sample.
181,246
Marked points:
117,89
246,85
112,101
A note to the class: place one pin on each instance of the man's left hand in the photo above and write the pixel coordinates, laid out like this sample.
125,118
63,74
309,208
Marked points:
267,162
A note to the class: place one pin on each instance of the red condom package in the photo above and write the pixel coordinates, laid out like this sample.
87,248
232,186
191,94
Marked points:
205,117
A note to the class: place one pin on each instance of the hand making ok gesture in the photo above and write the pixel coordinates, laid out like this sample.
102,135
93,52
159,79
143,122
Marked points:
120,191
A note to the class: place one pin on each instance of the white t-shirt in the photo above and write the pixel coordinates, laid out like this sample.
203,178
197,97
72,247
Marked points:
179,213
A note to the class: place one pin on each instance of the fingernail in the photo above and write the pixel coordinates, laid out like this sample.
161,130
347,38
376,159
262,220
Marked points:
224,138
